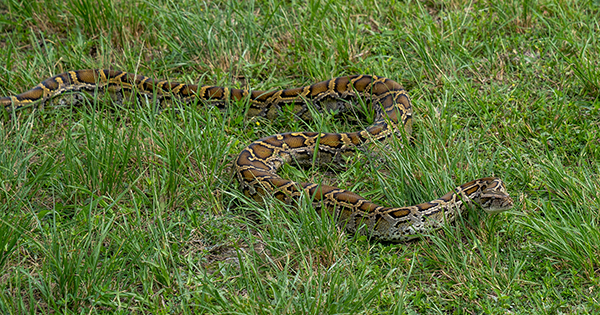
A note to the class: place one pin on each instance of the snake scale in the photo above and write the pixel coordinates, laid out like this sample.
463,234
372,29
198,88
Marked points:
257,164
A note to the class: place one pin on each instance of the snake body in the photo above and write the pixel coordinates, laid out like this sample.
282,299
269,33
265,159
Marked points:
257,164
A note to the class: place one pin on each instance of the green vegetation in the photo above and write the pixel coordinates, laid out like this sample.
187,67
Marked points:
106,209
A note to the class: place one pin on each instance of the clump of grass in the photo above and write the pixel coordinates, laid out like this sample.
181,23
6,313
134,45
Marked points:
127,208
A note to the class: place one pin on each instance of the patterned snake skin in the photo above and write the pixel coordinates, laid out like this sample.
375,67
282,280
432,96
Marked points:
257,164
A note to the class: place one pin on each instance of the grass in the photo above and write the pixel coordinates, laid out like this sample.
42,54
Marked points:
106,209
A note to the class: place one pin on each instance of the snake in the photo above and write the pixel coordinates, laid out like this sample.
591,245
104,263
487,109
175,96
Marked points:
257,164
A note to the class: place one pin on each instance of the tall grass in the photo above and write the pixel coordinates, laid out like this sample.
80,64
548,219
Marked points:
129,208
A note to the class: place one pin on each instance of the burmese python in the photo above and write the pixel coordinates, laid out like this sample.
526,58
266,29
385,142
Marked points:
257,164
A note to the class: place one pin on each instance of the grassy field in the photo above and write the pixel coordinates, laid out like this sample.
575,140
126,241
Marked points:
130,210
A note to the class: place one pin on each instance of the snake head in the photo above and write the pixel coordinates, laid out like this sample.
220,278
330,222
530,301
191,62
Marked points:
494,198
496,202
